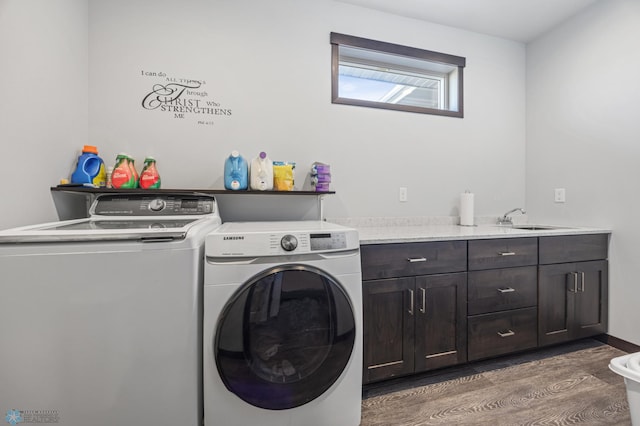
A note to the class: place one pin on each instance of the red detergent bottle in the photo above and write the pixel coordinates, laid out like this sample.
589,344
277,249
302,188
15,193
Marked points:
122,175
149,177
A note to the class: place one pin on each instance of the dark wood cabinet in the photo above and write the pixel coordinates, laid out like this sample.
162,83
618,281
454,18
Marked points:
429,305
496,290
413,322
389,324
502,333
440,314
573,287
573,248
413,259
502,296
573,301
502,253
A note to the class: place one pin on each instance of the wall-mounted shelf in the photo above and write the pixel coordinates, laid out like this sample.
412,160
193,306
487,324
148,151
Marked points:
73,202
97,191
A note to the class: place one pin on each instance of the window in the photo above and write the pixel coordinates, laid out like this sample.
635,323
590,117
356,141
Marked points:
383,75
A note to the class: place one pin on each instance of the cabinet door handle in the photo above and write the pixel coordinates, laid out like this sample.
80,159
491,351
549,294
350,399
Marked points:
507,253
506,290
507,333
423,309
575,282
582,282
416,259
410,302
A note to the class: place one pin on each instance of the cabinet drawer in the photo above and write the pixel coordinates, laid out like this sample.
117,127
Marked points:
502,253
573,248
502,332
502,289
410,259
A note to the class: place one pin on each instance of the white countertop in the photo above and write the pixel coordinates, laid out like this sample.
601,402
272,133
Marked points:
413,233
393,231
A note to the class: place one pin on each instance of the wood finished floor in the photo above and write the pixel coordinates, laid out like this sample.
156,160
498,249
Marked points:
562,385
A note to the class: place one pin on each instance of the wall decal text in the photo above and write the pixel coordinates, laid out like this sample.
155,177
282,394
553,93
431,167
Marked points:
182,98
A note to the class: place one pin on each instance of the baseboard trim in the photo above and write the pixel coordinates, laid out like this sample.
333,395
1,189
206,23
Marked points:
623,345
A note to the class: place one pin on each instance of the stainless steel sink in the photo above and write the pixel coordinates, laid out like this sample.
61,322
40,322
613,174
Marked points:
538,227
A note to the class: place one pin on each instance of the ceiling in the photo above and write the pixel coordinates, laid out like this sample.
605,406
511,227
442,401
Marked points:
519,20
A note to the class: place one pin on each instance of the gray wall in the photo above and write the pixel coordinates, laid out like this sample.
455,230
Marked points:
269,62
44,105
582,135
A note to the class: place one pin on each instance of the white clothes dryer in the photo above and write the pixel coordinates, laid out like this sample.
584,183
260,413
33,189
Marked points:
282,326
101,318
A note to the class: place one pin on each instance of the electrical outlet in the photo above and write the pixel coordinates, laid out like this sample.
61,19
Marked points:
559,195
402,194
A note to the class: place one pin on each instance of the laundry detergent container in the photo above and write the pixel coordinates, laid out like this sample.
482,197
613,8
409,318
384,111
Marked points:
628,366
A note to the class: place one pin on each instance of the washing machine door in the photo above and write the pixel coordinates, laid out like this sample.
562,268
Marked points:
285,337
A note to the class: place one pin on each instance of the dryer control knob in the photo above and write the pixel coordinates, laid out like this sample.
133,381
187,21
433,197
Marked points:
289,242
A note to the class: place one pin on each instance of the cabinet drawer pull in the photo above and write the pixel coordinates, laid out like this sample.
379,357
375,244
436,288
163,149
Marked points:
417,259
574,289
506,290
423,309
411,301
507,333
507,253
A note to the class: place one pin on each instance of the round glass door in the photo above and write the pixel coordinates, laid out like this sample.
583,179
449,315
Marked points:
285,337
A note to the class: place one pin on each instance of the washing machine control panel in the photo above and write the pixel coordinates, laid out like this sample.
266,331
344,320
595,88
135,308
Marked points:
153,205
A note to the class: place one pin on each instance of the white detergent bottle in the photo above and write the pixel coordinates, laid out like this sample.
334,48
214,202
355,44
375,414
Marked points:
261,173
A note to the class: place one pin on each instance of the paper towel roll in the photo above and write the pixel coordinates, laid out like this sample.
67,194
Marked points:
466,209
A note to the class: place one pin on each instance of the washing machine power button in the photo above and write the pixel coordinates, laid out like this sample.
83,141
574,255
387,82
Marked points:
289,242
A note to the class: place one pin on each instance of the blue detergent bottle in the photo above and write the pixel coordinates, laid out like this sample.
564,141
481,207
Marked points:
236,172
90,168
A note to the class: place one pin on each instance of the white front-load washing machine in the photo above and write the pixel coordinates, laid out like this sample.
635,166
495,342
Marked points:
282,332
101,318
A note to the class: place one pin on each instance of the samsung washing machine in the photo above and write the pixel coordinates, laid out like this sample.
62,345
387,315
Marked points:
282,333
101,318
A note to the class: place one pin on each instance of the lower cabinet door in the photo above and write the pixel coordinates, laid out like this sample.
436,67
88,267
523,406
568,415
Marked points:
502,332
441,321
413,324
556,303
592,299
388,319
573,300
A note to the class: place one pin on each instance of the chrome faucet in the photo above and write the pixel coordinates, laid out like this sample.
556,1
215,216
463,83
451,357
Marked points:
506,220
